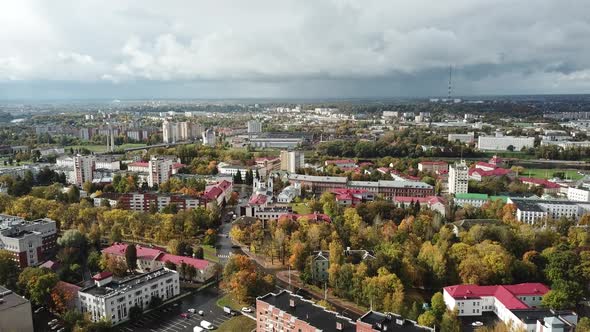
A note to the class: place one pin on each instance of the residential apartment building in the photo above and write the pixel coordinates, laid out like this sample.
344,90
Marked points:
433,166
254,127
30,241
519,305
160,170
476,200
292,160
463,138
533,210
578,195
286,311
320,264
152,259
209,137
458,178
15,312
279,140
144,201
501,143
84,167
110,299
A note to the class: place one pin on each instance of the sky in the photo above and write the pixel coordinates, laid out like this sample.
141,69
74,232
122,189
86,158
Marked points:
292,49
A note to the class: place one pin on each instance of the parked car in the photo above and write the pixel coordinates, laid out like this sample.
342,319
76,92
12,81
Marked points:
206,325
477,323
246,309
52,322
201,312
38,310
192,310
229,311
184,315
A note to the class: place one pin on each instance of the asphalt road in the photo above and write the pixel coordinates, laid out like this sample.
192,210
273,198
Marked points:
168,319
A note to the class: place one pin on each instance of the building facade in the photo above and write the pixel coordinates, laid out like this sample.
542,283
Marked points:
292,160
160,170
110,299
458,178
30,241
84,167
15,312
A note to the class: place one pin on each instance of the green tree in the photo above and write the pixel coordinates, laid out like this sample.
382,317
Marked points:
427,319
8,269
438,306
131,257
583,325
199,252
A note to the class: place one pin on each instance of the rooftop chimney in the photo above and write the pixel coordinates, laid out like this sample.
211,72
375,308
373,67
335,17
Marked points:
292,303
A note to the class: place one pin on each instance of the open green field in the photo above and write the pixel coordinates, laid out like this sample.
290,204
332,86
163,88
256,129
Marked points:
546,173
238,323
301,208
228,301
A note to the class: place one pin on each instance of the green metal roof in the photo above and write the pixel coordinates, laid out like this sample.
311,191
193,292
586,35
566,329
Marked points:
471,196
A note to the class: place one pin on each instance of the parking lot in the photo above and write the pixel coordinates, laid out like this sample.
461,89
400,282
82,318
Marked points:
168,319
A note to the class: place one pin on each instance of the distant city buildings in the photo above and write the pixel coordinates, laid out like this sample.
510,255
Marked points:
160,170
503,143
84,167
209,137
173,132
254,127
291,161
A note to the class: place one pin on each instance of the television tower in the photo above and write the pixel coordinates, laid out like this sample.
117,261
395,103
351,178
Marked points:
450,82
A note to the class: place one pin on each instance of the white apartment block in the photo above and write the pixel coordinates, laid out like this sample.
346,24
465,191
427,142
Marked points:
458,178
160,170
463,138
111,299
254,127
209,137
29,241
578,195
519,305
84,167
292,160
534,210
501,143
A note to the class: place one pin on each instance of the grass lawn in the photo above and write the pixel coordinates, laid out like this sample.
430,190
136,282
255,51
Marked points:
228,301
301,208
209,253
238,323
548,173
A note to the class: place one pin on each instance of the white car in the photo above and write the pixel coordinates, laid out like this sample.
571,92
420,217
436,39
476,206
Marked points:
246,309
477,323
201,312
52,322
206,325
191,310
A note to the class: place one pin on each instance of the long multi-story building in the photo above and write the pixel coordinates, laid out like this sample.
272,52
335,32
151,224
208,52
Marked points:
84,167
533,210
387,189
151,259
280,140
502,143
286,311
518,305
144,201
30,241
110,299
292,160
458,178
433,166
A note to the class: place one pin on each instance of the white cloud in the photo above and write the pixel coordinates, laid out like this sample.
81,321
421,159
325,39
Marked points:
268,41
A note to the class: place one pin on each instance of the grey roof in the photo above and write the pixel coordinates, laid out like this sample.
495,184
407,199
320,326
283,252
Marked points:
391,322
315,315
9,299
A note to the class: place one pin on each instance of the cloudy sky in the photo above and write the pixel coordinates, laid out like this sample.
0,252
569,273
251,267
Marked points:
295,49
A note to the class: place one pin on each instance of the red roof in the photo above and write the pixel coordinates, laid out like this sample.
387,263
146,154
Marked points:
340,161
496,160
102,275
139,164
495,172
178,260
118,249
67,287
310,216
212,193
178,165
484,164
409,199
540,182
257,199
506,294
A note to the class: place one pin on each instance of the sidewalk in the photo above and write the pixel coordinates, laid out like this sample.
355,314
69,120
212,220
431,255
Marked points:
332,299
